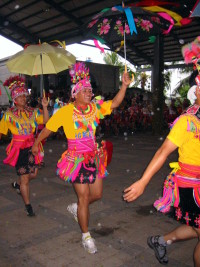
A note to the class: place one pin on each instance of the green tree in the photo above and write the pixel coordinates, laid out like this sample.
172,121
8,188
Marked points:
167,81
114,59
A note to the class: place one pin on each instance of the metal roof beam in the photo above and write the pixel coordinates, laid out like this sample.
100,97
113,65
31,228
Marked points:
11,26
139,53
11,39
17,10
64,12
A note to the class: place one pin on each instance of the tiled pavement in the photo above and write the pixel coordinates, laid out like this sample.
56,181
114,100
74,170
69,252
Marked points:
53,239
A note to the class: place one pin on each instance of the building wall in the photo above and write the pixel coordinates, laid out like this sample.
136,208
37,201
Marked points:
4,74
106,76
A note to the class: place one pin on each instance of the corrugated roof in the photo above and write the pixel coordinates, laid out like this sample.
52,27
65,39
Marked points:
27,22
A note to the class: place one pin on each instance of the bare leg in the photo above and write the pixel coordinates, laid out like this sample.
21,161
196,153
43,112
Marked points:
96,190
34,174
87,194
183,232
82,191
24,188
197,250
31,176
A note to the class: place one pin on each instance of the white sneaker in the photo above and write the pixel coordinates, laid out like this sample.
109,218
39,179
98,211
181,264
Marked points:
72,208
89,244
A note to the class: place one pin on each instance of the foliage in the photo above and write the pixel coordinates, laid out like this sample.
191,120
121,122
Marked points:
143,79
167,81
183,90
114,60
8,94
186,70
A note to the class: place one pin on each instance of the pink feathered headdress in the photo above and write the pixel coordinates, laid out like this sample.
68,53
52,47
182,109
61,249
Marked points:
191,52
17,86
80,77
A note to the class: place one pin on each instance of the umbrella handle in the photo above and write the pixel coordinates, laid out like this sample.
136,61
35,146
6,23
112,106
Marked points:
125,70
44,95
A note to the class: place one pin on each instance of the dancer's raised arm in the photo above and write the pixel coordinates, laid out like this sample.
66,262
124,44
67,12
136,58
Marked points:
136,189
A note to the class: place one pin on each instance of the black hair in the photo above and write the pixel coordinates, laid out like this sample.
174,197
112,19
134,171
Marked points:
192,78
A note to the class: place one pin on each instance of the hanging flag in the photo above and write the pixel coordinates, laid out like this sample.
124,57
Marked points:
154,3
98,46
174,15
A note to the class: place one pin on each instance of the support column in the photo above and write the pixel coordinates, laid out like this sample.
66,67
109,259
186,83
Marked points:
157,80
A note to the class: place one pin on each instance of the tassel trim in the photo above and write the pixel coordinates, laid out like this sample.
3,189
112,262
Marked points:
70,163
171,190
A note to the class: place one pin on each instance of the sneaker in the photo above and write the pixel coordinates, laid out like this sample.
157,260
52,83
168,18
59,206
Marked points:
16,186
72,208
89,244
29,210
160,250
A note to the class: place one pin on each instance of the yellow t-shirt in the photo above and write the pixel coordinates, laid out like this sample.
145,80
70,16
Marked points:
21,122
185,135
75,124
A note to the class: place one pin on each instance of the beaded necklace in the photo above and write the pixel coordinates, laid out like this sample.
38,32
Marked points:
85,119
88,119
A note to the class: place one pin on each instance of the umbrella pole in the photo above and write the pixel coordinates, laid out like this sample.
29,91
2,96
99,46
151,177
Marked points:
125,47
125,70
42,79
41,85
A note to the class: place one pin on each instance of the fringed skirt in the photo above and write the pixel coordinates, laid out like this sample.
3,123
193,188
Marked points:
181,195
82,167
187,211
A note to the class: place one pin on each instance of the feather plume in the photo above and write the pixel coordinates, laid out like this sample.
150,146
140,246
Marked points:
191,51
79,71
14,81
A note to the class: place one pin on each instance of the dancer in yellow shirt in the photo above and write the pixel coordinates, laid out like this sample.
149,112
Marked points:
181,194
84,163
21,121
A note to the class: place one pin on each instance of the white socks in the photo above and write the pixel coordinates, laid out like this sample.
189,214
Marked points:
84,235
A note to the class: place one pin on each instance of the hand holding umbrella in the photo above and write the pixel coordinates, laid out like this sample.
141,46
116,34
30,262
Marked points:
126,79
45,101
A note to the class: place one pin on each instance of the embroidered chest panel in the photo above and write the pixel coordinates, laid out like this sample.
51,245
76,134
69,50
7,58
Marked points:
87,120
23,121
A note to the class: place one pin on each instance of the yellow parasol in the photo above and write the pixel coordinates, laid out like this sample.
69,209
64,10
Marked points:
40,59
